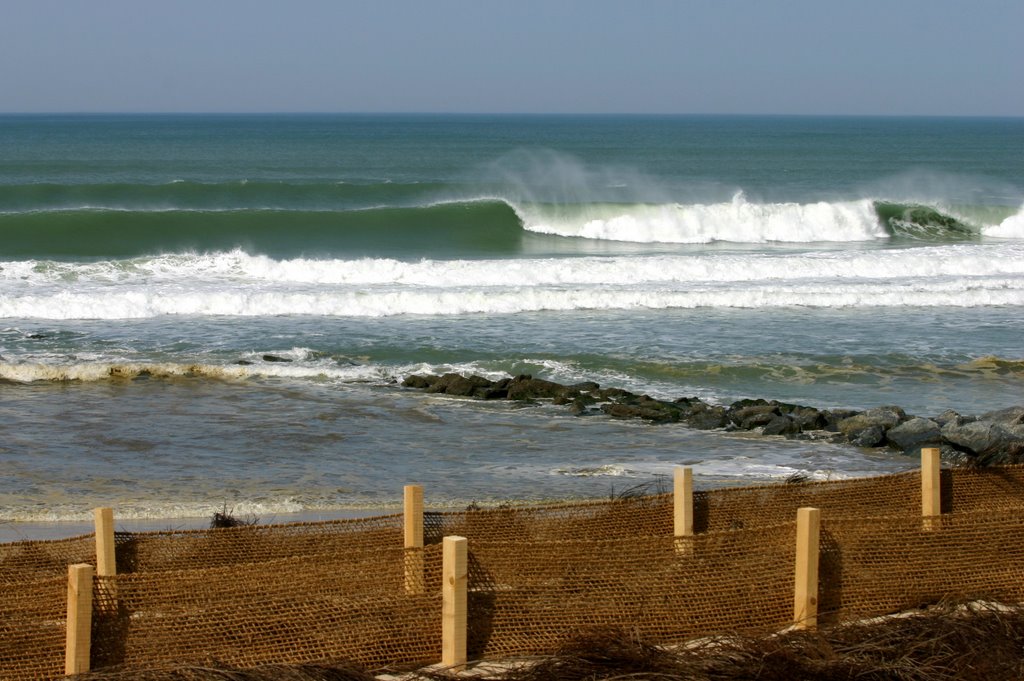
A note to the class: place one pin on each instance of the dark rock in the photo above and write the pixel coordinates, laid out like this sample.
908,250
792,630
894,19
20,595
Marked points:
834,416
497,390
611,393
882,418
872,436
743,404
644,408
1013,416
585,387
988,442
808,418
459,385
276,358
950,416
753,416
243,363
580,405
914,434
781,425
420,381
527,387
706,417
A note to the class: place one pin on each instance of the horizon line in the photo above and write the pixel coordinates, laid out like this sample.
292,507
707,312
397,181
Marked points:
508,114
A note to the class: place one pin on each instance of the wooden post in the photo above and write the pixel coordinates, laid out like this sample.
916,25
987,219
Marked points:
413,527
805,591
682,499
931,488
106,557
454,603
106,562
79,623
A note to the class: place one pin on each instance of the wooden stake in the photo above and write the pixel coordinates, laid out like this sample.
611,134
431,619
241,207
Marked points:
931,488
682,498
106,557
106,561
805,591
413,526
454,604
79,623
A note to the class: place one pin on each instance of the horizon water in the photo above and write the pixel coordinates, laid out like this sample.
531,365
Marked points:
207,312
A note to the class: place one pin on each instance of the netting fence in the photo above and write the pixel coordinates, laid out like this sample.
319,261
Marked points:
537,575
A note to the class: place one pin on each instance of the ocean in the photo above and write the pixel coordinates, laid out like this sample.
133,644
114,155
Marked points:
208,312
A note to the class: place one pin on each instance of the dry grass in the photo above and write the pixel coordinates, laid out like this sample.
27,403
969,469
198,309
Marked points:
981,642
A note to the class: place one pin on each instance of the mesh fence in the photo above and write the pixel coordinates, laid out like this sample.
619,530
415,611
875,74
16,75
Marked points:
293,593
529,598
885,565
32,629
350,606
34,560
221,547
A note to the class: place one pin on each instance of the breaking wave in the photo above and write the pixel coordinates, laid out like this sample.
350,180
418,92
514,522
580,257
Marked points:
282,220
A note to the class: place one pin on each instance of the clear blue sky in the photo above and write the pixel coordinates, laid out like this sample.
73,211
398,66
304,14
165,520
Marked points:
652,56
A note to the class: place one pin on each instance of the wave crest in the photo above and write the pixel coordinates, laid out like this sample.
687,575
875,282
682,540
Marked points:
739,221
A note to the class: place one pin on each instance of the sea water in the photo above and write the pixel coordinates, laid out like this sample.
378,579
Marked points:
200,312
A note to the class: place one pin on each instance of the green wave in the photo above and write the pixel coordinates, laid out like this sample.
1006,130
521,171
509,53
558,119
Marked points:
237,195
483,228
925,223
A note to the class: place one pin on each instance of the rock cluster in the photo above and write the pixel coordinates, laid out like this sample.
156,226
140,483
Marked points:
993,438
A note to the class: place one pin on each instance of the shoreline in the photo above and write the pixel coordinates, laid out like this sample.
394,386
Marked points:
44,530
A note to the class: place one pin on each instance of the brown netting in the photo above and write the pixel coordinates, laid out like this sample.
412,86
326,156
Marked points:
970,489
32,629
350,606
34,560
596,521
195,549
877,566
529,598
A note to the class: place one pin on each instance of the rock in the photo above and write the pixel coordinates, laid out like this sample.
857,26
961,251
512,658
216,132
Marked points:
882,418
459,385
498,390
585,387
706,417
753,416
808,418
244,363
581,403
612,393
644,408
872,436
988,442
950,416
1014,416
781,425
914,434
420,381
745,403
526,387
834,416
276,358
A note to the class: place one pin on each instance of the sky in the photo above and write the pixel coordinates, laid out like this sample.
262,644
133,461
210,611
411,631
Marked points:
877,57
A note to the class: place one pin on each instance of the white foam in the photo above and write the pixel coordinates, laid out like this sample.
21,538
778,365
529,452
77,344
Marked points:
238,284
1010,228
736,221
